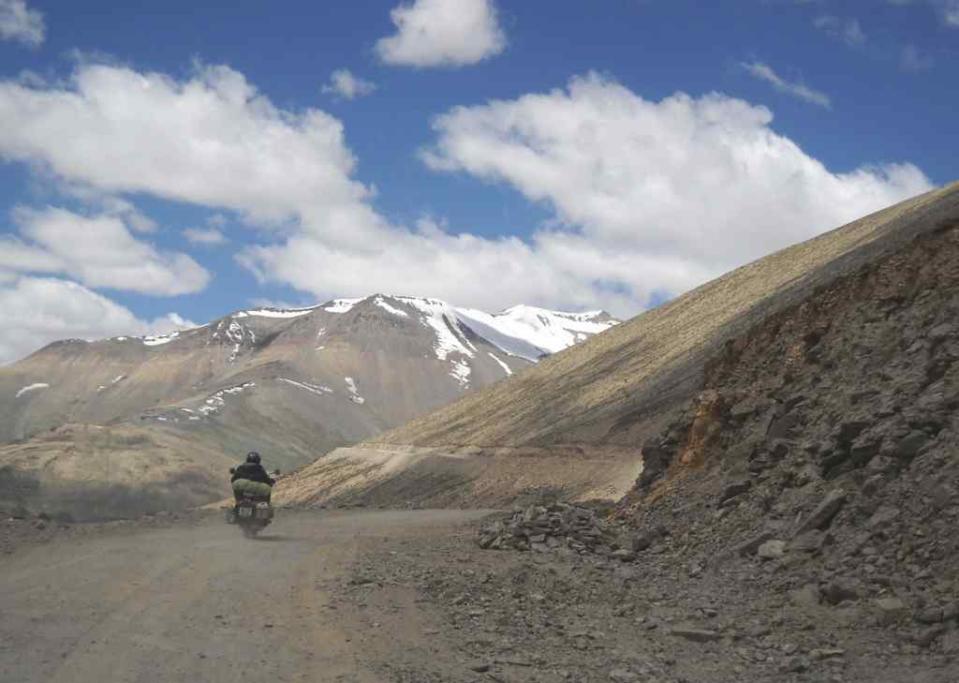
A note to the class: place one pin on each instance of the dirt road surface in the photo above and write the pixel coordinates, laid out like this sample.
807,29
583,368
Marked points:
198,602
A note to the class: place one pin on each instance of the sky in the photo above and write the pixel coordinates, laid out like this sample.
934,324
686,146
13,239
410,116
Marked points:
163,164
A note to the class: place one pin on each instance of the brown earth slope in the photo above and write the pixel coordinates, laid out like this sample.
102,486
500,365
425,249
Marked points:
795,521
107,420
599,402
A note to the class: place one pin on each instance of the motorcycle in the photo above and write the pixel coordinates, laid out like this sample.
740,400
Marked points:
251,515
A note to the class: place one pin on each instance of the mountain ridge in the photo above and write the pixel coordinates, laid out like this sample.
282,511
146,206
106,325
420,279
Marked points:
291,383
615,391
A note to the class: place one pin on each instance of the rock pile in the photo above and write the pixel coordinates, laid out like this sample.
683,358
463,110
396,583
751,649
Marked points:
560,525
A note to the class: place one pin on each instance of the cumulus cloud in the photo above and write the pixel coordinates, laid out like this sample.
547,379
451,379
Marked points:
211,140
442,33
948,10
99,251
649,197
345,85
19,22
913,59
764,72
848,31
687,187
209,237
35,311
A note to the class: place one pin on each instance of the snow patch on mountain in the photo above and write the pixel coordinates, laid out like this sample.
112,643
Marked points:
32,387
530,332
461,372
317,389
354,393
340,305
159,339
215,402
389,309
442,318
275,312
525,332
114,381
501,364
234,333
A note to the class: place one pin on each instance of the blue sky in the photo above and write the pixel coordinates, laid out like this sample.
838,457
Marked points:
567,154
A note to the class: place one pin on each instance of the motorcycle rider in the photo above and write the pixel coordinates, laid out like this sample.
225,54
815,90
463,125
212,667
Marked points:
251,479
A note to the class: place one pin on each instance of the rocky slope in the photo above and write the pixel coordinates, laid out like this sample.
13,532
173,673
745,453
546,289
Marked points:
601,400
292,384
795,521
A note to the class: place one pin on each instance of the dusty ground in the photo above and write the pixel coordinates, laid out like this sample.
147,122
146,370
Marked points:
198,602
555,617
354,595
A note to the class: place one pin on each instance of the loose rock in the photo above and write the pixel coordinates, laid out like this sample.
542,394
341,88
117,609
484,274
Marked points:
822,516
698,635
771,550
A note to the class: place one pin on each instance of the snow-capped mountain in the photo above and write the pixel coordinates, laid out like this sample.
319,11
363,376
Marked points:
292,383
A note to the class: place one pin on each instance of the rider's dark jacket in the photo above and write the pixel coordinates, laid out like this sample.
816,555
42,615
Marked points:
253,471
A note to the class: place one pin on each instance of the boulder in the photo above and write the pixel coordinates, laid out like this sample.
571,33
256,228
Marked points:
930,615
841,589
849,430
889,610
883,517
950,642
942,332
643,540
734,489
809,542
752,545
805,596
771,550
908,447
697,635
823,514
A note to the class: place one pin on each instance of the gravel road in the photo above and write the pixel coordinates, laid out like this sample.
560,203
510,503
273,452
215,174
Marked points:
198,602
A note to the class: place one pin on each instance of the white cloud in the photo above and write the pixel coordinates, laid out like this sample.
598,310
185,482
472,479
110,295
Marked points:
97,250
210,237
948,10
764,72
913,59
36,311
211,140
657,194
848,31
19,22
647,196
347,86
442,33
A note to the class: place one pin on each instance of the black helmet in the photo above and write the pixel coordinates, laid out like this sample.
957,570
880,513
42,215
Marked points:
253,456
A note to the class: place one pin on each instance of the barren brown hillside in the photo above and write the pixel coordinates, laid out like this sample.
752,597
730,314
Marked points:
611,389
575,425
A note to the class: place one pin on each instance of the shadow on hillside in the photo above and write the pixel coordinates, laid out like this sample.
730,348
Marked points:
24,494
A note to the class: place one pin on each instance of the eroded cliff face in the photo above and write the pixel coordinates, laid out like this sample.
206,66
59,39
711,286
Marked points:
820,461
863,373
